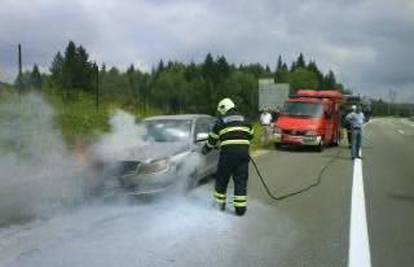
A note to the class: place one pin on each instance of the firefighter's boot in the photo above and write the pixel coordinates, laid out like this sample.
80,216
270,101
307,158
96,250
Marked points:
220,199
239,202
240,211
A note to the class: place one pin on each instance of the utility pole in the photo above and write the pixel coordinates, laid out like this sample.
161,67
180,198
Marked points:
97,88
20,59
19,75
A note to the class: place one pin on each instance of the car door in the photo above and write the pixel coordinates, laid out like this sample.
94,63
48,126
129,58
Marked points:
209,161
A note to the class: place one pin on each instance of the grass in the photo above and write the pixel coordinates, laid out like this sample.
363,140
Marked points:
257,142
79,119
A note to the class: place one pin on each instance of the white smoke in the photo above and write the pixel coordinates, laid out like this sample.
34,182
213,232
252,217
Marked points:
38,175
124,137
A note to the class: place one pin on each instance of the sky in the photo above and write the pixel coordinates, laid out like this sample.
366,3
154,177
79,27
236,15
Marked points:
367,43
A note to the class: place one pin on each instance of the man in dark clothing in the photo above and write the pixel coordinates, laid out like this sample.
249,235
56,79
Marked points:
232,135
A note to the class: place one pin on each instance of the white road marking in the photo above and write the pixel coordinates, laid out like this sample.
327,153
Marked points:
359,252
407,122
401,131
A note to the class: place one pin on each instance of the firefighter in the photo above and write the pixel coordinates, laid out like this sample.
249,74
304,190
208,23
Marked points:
231,134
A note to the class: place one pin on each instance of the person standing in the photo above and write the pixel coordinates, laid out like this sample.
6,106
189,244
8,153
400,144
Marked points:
356,120
348,128
266,122
231,134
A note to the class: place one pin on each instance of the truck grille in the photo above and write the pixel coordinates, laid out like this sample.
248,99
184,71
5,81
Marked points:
294,132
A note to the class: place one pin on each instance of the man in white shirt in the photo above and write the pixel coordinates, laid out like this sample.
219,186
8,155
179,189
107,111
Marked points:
356,120
266,122
266,118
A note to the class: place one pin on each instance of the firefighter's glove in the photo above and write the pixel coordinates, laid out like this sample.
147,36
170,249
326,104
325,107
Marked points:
205,150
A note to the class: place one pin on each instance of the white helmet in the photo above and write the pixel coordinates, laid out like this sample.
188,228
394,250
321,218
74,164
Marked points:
225,105
354,107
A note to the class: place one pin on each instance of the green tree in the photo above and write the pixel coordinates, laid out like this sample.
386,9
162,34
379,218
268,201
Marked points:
303,79
314,68
56,70
329,81
300,62
36,78
77,72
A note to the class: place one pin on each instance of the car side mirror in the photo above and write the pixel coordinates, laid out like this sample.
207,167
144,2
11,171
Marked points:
328,114
200,137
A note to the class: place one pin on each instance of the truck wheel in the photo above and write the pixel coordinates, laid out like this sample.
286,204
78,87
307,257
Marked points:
337,140
321,146
277,145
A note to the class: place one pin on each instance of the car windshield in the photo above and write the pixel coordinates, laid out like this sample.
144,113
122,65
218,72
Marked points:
313,110
168,130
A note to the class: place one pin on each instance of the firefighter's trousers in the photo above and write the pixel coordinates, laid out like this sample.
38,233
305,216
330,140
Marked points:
232,164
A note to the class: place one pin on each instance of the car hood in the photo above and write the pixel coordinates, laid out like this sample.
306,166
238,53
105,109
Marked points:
298,123
155,150
146,152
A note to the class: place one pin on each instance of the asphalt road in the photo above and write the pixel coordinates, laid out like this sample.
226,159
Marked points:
389,180
310,229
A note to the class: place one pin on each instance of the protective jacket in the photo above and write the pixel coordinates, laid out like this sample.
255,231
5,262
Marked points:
231,132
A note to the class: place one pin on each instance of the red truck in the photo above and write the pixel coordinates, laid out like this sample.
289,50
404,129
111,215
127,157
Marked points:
310,118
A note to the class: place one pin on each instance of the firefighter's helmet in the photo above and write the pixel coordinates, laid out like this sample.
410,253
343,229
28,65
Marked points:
225,105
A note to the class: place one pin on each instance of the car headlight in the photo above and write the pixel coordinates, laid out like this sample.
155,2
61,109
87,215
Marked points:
312,133
154,166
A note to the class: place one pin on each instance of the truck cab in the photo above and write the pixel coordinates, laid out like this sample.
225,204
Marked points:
310,118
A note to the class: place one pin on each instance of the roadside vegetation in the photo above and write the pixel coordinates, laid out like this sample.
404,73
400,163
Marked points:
84,95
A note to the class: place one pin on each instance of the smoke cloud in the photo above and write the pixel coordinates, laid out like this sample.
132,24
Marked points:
40,176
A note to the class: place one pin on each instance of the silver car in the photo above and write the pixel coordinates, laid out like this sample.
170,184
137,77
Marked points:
171,155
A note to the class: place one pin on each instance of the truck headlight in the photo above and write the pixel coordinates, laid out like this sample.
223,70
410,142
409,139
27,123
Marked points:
277,130
311,133
154,166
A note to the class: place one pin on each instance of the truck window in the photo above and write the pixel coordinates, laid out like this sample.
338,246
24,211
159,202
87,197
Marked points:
303,109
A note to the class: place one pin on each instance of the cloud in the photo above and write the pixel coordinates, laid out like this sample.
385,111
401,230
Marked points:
366,42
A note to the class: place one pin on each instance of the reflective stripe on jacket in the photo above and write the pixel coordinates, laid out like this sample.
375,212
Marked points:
232,130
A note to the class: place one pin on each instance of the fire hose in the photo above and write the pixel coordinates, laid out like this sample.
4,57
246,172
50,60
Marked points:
304,189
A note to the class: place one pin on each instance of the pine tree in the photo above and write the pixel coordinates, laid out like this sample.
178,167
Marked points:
85,70
69,68
36,78
330,81
279,63
300,62
279,70
56,70
293,67
208,67
314,68
160,67
223,68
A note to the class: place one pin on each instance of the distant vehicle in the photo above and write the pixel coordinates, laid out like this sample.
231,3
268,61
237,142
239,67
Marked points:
168,155
310,118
